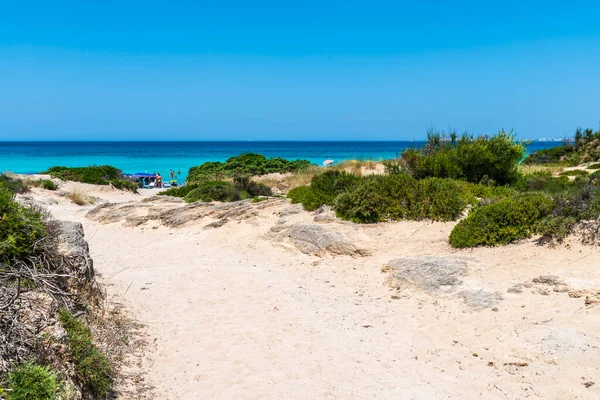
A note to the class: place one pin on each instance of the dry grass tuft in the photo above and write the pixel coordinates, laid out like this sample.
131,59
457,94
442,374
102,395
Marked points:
532,169
79,197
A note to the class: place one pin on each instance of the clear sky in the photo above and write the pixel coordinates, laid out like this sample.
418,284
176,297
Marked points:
304,70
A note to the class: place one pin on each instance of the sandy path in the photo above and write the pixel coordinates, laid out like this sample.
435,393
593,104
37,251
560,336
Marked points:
231,316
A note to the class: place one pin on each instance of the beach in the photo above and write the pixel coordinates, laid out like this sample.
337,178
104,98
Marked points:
236,301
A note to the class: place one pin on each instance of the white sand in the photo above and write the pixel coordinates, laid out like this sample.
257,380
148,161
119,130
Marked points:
232,316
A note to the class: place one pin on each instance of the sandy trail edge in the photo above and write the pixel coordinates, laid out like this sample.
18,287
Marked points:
232,316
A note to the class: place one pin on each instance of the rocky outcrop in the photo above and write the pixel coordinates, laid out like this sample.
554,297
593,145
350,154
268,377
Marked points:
315,240
426,273
438,276
173,212
73,246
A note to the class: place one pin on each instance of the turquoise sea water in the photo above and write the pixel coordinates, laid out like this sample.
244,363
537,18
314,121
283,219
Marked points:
131,157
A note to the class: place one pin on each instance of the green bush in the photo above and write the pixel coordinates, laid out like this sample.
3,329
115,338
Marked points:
91,366
244,164
32,382
47,184
489,193
555,227
242,188
14,185
95,175
20,227
304,195
180,191
594,166
329,185
503,222
484,158
243,183
324,188
545,182
216,191
583,147
395,197
575,172
124,184
554,155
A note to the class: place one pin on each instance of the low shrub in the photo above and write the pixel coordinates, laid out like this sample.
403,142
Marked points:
545,182
575,172
474,159
395,197
95,175
216,191
14,185
244,164
503,222
324,188
21,227
555,228
180,191
554,155
243,183
489,193
124,184
91,366
47,184
304,195
594,166
32,382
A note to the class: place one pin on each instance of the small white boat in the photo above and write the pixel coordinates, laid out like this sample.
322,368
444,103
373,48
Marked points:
328,162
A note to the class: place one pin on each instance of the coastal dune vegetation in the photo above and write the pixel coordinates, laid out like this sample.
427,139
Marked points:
95,175
499,194
451,174
45,291
231,180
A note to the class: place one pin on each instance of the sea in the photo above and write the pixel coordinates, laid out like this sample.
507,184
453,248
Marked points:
132,157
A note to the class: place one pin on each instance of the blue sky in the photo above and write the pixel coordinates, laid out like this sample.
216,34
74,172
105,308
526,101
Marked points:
229,70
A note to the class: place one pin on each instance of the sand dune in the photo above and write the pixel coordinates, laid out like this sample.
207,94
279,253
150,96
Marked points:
239,310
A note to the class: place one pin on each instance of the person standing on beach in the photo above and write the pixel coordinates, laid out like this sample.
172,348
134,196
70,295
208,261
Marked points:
158,180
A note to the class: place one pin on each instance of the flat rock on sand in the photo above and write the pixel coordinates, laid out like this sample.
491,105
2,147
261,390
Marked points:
315,240
427,273
174,212
438,275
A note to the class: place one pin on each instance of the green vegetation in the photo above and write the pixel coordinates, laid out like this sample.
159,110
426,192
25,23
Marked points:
32,382
91,366
440,181
20,227
324,188
585,147
483,159
554,155
180,191
501,223
124,184
241,188
13,185
574,172
395,197
96,175
594,166
216,191
245,164
47,184
378,198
